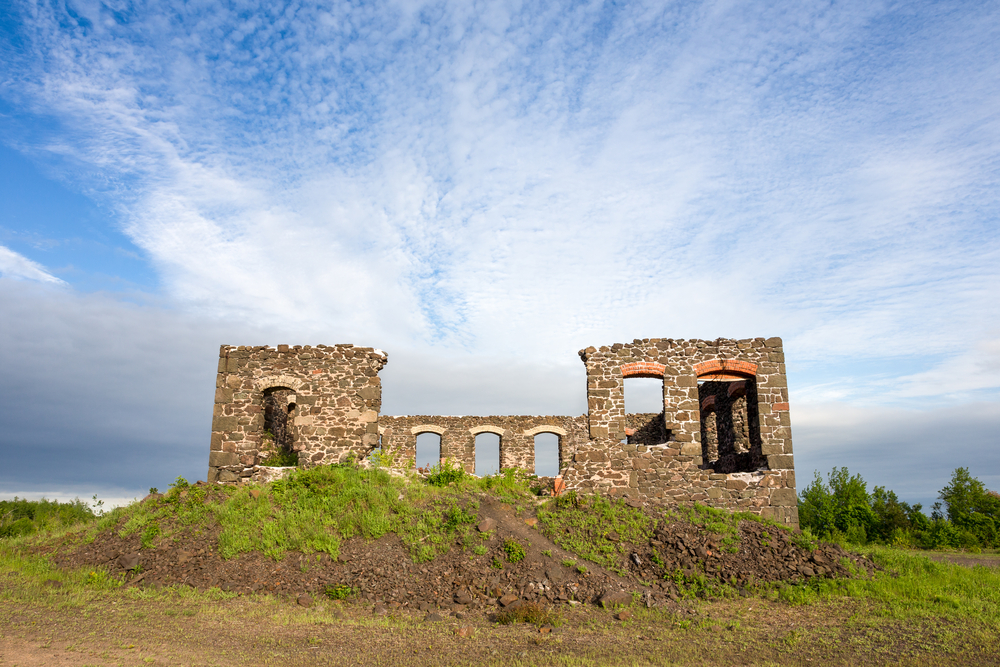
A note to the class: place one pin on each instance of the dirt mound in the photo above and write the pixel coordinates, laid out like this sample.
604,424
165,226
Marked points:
512,562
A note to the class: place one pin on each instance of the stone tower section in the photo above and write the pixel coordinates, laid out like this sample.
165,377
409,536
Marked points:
723,438
325,399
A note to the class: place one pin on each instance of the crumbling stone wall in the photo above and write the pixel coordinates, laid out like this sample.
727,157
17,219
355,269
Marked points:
723,437
679,469
458,437
331,395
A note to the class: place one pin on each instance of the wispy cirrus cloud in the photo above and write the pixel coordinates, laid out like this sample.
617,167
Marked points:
13,265
503,181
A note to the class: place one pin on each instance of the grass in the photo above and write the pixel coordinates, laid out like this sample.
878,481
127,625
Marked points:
582,524
531,612
912,586
918,611
311,511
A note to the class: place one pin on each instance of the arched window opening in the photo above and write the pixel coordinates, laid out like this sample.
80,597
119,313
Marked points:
428,450
277,446
487,454
730,425
547,455
644,422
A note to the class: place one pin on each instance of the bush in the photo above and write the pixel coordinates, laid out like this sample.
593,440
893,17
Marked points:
23,517
445,473
515,552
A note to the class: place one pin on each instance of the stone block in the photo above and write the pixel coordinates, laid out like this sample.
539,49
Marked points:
598,432
228,476
783,498
223,395
780,462
772,342
687,381
218,459
224,424
690,449
370,393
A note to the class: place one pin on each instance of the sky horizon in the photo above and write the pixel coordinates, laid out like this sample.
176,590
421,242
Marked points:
481,191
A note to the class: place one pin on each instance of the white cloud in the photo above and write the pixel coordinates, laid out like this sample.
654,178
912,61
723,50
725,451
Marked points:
14,265
482,193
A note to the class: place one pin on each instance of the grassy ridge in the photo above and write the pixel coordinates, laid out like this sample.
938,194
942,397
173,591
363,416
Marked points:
315,510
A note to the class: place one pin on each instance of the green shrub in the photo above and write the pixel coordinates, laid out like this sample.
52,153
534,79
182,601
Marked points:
24,517
515,552
281,459
339,592
445,473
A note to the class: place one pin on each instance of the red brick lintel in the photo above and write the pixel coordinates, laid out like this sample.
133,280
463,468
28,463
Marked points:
726,367
780,407
643,369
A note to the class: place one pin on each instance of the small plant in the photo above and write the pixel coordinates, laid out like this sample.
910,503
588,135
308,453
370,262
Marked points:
479,550
339,592
497,564
380,459
153,490
547,553
804,540
99,506
568,562
281,459
151,533
515,552
581,569
445,473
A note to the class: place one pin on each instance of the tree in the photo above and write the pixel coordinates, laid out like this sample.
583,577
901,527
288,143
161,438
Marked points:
971,506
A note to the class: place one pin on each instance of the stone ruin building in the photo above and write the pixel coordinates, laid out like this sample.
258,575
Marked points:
723,438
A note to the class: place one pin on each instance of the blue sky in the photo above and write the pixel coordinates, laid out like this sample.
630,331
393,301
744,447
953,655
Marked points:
482,189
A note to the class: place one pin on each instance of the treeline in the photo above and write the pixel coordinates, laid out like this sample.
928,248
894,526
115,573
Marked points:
966,516
23,517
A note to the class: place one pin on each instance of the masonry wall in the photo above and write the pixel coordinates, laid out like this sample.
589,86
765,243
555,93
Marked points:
458,437
678,469
722,439
334,396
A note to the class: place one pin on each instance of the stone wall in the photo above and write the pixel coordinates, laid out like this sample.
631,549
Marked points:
681,469
331,396
458,437
722,439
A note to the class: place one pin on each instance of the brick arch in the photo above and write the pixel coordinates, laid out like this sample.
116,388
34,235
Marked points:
427,428
643,369
271,381
725,369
